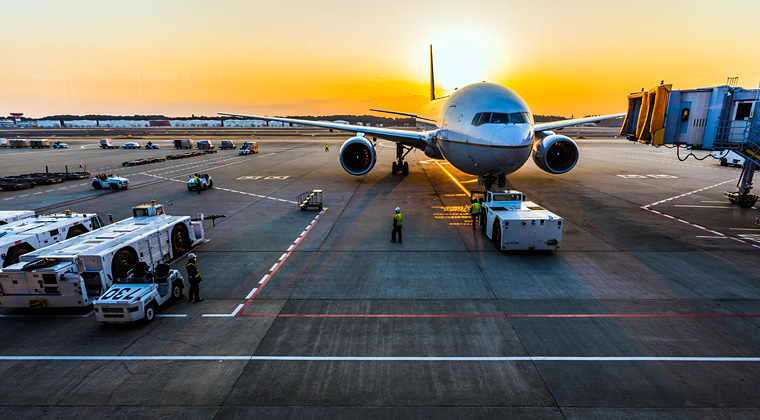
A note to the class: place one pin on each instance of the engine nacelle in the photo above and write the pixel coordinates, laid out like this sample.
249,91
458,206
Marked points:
357,155
555,154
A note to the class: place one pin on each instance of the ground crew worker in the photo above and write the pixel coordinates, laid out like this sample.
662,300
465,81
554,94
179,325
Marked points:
327,147
475,210
194,277
198,183
398,220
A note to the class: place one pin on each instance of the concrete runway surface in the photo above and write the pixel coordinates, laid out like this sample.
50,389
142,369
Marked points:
651,308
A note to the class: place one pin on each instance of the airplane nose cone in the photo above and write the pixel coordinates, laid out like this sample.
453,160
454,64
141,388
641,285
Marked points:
511,146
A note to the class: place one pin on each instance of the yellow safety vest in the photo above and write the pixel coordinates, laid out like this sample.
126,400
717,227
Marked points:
475,208
399,219
187,269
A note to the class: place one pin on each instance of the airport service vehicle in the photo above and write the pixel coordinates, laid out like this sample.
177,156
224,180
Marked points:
227,144
59,145
205,144
206,182
514,224
131,145
151,145
75,272
482,129
102,181
23,236
107,144
18,143
8,216
3,142
248,148
183,144
139,295
728,157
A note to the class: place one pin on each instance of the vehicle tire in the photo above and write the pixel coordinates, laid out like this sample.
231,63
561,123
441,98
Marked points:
76,231
11,257
406,168
97,185
723,162
180,240
114,187
747,201
497,236
150,311
176,290
211,183
483,222
394,168
122,262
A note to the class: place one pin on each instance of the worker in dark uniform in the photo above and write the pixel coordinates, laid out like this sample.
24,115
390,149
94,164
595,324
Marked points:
398,220
475,210
194,277
197,183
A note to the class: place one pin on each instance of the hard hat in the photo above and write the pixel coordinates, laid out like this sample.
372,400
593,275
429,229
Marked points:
196,174
398,209
191,256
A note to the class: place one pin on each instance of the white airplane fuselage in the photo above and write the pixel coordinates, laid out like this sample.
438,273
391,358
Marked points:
481,129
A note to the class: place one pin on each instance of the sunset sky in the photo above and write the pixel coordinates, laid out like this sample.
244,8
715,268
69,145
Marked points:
293,57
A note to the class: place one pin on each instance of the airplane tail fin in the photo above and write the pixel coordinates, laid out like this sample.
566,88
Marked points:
432,79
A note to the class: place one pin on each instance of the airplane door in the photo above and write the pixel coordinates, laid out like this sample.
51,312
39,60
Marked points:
447,120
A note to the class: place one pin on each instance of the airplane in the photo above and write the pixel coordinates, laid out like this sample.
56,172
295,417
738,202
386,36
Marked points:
482,129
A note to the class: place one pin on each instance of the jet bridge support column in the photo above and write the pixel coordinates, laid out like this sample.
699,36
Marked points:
743,197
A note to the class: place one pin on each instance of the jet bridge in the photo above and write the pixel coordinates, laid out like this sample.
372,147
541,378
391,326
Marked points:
716,118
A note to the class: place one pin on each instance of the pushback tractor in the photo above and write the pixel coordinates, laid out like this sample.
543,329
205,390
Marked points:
75,272
26,235
514,224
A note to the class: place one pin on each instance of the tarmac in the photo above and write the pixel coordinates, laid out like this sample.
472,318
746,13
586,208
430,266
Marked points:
650,309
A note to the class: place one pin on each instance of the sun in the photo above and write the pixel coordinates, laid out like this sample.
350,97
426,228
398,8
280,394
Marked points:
463,55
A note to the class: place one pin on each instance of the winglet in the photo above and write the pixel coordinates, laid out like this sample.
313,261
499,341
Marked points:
432,79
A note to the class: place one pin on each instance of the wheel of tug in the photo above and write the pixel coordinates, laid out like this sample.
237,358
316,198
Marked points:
176,290
497,236
122,262
723,162
97,185
14,252
76,231
150,311
180,240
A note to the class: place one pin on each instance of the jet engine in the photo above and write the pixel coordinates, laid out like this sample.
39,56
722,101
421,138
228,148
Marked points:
555,154
357,155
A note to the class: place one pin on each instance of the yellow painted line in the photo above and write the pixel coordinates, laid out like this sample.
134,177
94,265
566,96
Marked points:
454,179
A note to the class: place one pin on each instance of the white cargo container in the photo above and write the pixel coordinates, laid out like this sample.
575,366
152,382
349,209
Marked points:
514,224
14,215
26,235
73,273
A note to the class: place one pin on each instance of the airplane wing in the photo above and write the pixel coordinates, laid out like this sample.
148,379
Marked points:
566,123
416,139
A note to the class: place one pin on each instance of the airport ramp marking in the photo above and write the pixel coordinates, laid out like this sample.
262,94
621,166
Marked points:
226,189
681,359
649,209
276,267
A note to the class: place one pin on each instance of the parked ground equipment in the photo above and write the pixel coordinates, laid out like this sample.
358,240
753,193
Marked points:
151,145
248,148
75,272
227,144
140,295
107,144
22,236
183,144
205,144
8,216
515,224
310,199
60,145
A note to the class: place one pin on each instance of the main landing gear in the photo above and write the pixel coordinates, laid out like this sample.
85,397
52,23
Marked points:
399,166
488,180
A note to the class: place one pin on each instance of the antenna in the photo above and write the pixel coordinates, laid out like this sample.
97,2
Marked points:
432,79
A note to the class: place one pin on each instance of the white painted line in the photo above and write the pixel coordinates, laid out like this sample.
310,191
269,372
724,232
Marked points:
712,237
171,315
283,256
274,266
704,207
291,247
742,229
237,309
388,359
263,279
297,239
215,315
251,294
302,233
25,195
9,198
48,316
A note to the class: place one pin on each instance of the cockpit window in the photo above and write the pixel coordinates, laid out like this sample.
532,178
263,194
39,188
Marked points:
501,118
516,118
497,118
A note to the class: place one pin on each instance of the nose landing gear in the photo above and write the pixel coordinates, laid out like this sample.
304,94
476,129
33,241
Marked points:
488,180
